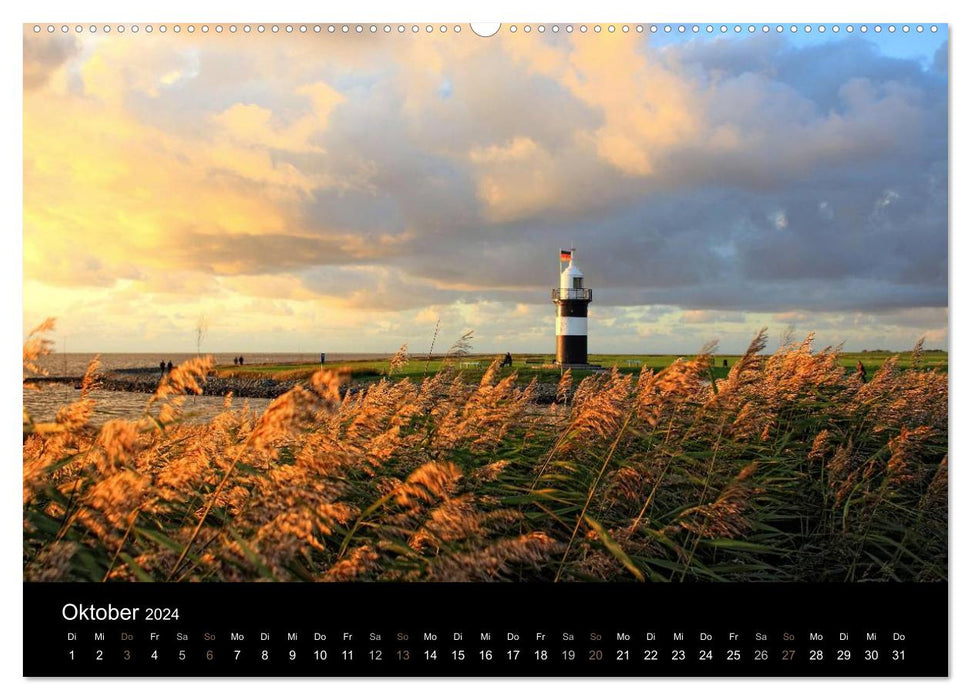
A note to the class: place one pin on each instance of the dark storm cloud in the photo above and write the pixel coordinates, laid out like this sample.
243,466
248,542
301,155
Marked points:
43,55
835,200
811,175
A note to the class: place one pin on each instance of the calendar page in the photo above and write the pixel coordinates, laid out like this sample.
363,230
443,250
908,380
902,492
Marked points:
304,396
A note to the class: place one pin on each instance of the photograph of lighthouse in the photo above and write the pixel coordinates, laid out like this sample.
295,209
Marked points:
568,303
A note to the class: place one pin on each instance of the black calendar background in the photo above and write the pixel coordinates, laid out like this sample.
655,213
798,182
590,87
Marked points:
427,629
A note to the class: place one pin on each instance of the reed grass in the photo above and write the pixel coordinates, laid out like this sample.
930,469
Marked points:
786,469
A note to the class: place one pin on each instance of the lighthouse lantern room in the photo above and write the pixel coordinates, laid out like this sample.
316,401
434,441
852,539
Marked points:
571,299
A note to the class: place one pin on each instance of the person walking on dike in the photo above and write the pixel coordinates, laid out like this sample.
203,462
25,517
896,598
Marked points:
168,367
506,361
240,360
235,360
161,367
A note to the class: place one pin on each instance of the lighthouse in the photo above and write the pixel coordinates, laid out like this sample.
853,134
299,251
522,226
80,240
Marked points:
571,299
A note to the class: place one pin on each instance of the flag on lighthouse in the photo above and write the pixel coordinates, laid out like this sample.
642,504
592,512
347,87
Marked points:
566,256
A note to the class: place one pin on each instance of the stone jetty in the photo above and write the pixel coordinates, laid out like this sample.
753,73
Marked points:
146,381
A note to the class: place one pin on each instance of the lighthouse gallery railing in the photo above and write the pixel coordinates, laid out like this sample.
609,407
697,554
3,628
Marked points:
567,293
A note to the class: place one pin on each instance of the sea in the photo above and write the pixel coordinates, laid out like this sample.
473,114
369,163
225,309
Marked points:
43,402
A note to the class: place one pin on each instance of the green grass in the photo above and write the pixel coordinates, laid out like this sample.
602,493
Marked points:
365,371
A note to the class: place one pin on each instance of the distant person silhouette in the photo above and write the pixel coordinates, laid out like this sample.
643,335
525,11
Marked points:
724,363
506,361
861,371
161,366
240,360
168,367
235,360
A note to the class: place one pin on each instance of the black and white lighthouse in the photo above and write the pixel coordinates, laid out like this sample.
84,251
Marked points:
571,299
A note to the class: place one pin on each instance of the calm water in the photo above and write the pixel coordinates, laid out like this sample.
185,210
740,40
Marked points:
43,403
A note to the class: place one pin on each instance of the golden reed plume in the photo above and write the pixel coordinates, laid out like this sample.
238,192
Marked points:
788,468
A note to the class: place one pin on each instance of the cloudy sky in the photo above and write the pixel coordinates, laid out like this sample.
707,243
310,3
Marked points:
345,192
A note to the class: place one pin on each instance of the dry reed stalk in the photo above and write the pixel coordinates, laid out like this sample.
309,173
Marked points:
592,490
399,360
279,417
495,561
431,480
36,346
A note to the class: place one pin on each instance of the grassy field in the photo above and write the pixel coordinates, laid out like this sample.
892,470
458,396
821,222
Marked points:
528,366
788,469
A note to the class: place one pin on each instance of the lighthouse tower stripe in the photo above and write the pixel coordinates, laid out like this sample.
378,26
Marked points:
571,325
571,299
571,349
